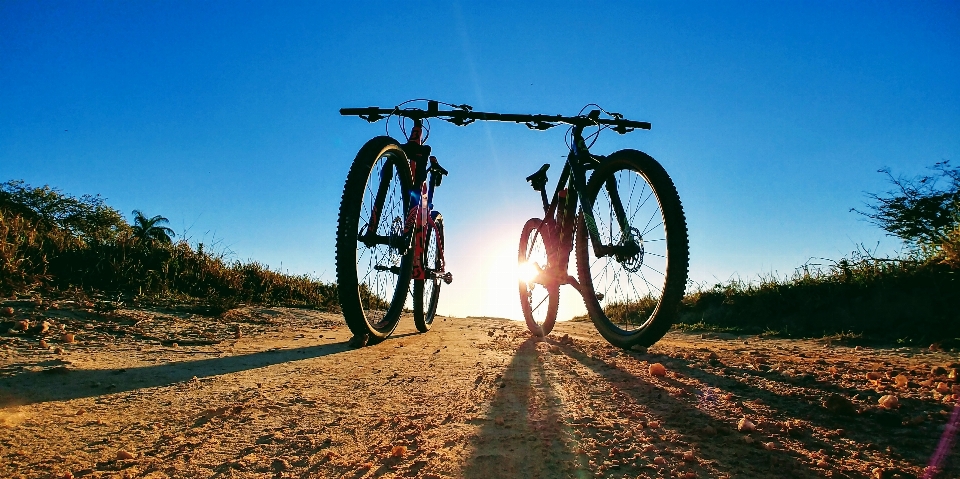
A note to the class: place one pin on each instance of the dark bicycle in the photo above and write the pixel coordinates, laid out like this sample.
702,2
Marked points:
625,222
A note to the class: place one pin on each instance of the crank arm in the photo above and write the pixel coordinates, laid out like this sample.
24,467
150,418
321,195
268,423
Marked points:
392,269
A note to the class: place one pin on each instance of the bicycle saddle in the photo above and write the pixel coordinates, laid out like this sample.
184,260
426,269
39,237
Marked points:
538,180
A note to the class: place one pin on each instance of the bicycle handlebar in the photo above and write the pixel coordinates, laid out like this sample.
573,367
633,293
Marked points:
465,116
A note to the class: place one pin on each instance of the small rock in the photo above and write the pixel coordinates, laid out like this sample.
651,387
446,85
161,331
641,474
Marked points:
689,456
874,375
398,451
124,455
746,425
657,369
23,325
58,350
942,388
659,460
769,445
653,424
938,371
43,344
838,404
709,431
6,311
279,464
68,337
902,380
889,401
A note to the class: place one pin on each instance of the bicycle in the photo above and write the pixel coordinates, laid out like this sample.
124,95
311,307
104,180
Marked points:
408,245
635,311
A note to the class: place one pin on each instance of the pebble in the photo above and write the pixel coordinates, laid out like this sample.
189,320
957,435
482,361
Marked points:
124,455
746,425
889,401
657,369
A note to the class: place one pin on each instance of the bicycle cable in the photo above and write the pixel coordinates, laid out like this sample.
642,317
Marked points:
400,120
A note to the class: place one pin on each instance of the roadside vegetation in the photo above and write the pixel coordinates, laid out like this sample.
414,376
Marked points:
911,299
55,243
52,242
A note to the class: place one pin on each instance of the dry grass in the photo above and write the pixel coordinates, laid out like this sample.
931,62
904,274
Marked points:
38,255
911,301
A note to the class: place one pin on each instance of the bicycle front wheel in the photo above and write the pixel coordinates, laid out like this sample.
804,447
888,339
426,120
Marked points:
373,262
426,292
632,292
539,293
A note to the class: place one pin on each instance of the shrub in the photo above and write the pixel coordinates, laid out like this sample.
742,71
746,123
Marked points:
921,212
54,240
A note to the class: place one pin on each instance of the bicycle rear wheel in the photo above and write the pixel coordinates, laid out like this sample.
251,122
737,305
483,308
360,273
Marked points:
633,299
426,292
373,262
539,294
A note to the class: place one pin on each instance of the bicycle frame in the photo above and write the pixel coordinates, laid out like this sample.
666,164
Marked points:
560,213
419,218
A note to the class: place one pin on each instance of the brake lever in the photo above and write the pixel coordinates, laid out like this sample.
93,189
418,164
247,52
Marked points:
372,118
459,121
540,125
622,129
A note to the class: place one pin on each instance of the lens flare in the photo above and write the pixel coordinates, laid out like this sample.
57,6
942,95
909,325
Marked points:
527,271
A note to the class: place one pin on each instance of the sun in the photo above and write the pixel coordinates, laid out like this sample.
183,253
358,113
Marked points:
527,271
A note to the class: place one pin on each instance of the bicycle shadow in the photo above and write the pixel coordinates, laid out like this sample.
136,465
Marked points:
524,411
864,429
61,383
729,455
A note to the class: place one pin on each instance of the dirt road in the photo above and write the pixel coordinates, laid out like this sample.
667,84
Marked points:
277,393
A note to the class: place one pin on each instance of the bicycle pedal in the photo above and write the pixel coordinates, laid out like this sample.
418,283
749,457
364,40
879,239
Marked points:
447,277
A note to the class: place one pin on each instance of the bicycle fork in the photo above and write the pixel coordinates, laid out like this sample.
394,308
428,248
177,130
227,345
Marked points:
580,160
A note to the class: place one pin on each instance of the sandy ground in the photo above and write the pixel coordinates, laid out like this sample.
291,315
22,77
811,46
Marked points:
276,392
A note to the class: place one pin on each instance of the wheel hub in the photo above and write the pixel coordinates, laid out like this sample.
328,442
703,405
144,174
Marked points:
632,263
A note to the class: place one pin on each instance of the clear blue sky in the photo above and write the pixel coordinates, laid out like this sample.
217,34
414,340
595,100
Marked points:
771,117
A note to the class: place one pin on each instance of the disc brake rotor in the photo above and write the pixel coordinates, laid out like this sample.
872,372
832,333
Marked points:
632,263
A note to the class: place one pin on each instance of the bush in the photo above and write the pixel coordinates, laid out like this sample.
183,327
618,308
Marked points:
891,300
50,239
86,218
921,212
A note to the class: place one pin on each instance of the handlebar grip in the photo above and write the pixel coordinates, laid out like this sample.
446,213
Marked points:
362,111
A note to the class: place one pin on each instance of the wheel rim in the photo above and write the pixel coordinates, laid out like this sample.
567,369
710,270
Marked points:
535,296
376,284
630,288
